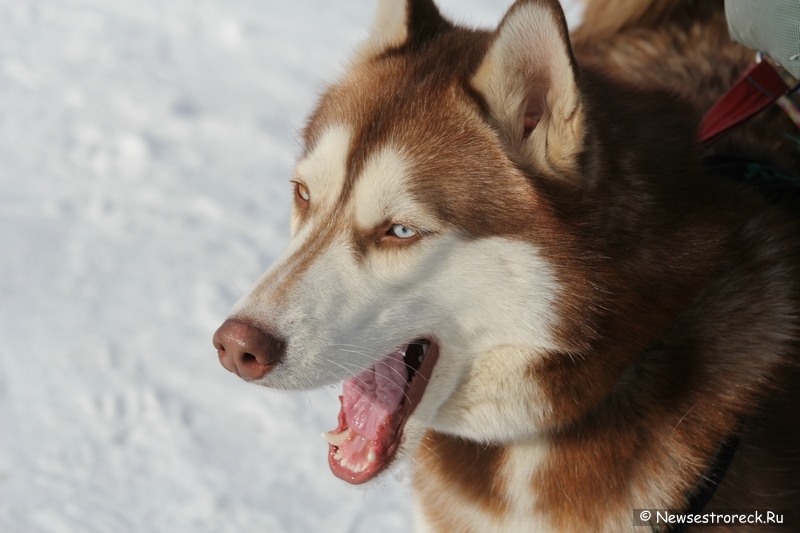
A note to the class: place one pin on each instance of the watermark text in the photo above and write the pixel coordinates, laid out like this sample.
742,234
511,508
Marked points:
717,517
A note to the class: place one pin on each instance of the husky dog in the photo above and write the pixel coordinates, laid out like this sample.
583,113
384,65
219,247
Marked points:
508,248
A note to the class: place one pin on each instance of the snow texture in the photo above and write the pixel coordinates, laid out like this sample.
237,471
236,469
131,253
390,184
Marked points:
145,152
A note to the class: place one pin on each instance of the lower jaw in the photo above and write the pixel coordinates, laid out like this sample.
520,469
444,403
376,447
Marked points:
354,478
390,432
370,468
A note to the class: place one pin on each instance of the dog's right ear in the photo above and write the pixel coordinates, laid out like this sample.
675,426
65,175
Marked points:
529,81
402,23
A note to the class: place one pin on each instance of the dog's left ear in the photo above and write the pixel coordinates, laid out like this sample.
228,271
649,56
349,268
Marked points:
401,23
529,80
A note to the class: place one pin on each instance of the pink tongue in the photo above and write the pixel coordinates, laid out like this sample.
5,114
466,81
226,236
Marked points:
372,396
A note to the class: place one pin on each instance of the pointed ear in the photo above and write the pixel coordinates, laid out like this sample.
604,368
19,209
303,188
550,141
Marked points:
529,80
400,23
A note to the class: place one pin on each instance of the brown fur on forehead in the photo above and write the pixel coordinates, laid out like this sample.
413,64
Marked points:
419,101
371,90
458,169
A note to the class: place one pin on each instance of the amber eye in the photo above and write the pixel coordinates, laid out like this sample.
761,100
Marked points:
302,192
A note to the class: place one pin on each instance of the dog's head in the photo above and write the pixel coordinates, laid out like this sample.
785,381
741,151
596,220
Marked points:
421,269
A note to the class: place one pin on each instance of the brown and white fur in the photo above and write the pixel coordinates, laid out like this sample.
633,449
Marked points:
606,312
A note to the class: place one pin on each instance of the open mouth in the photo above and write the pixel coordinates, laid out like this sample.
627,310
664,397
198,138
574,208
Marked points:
375,407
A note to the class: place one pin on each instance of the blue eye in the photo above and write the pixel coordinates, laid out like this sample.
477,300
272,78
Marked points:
402,232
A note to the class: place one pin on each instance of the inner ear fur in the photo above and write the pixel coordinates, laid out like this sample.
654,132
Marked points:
529,80
402,23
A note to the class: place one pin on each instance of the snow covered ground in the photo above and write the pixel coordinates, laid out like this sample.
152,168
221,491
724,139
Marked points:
145,151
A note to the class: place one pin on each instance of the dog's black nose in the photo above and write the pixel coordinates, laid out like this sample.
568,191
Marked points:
247,350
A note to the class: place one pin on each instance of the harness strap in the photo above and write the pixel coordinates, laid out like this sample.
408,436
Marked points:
710,481
759,86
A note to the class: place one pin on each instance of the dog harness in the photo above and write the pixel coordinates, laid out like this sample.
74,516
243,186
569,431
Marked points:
711,479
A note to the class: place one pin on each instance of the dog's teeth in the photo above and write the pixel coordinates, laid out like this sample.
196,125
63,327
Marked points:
336,439
372,456
344,462
338,455
425,349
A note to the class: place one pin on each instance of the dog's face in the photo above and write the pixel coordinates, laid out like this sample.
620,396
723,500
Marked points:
418,270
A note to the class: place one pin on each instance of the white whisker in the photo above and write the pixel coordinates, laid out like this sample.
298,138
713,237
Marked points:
371,357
